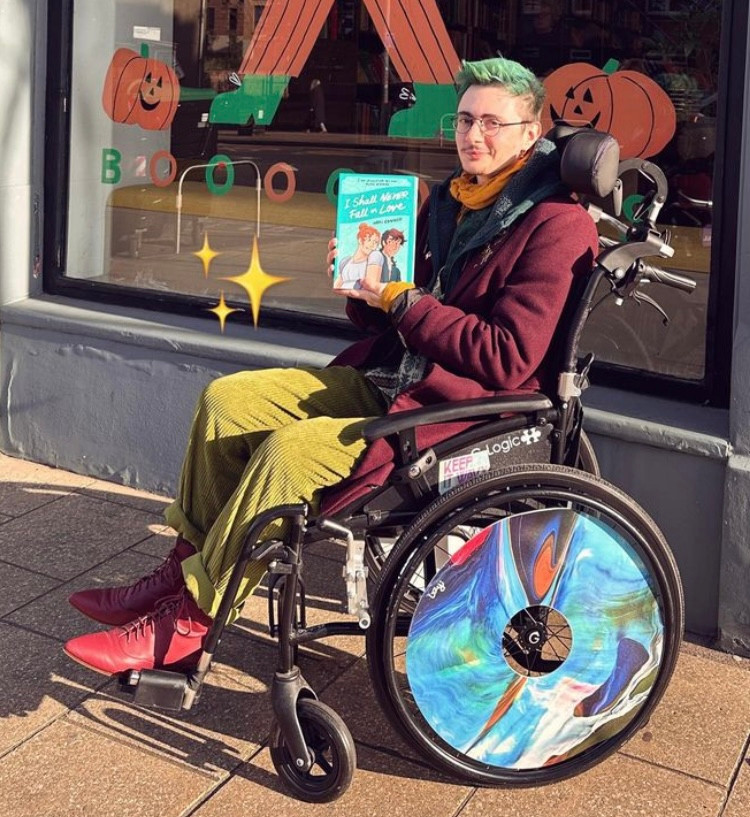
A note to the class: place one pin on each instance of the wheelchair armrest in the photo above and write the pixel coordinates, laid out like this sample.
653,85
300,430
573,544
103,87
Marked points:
447,412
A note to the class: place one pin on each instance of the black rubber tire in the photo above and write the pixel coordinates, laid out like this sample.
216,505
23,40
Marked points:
508,491
329,739
375,557
587,460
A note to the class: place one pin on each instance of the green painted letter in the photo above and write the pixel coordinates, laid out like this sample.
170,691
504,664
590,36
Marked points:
111,173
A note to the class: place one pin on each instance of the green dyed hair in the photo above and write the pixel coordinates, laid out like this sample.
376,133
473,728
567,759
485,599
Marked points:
514,77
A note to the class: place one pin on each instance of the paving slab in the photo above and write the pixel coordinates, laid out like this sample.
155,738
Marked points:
19,586
69,536
159,544
738,804
38,683
125,495
68,770
701,725
51,613
227,725
26,485
383,785
329,548
618,787
692,758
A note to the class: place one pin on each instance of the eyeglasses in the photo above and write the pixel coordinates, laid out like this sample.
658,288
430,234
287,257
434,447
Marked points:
463,123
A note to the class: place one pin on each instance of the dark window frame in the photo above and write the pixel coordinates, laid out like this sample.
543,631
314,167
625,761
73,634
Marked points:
713,389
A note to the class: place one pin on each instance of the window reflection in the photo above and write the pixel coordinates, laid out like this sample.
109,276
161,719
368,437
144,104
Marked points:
282,95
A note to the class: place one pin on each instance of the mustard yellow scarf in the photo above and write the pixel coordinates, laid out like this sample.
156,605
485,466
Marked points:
476,196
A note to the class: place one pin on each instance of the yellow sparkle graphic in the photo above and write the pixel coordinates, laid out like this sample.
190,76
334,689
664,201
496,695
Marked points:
222,311
206,254
255,281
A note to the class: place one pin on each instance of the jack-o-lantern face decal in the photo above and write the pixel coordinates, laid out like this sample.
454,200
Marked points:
140,91
627,104
150,94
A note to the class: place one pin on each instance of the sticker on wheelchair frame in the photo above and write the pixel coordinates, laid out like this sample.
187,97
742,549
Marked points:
457,470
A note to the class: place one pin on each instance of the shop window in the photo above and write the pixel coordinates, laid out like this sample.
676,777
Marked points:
181,110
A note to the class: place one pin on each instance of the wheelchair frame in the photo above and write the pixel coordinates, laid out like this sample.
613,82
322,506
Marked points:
304,726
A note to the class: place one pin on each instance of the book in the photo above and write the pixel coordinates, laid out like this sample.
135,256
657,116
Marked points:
376,219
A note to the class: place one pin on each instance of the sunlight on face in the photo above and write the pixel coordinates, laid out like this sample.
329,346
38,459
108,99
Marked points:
482,155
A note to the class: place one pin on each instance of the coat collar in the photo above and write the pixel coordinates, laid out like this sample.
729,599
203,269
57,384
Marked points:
539,179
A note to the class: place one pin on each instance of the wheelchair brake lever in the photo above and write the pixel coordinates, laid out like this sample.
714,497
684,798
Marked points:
641,297
354,571
583,374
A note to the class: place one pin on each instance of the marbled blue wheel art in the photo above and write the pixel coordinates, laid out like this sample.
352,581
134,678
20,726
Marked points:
541,637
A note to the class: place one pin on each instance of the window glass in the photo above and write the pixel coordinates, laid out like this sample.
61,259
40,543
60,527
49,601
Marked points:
208,133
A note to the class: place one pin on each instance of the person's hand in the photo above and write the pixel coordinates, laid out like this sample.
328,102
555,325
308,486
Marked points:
332,253
367,292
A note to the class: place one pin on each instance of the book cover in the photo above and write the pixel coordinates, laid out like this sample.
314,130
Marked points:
376,220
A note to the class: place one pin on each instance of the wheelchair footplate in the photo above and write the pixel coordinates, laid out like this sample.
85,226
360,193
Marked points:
161,689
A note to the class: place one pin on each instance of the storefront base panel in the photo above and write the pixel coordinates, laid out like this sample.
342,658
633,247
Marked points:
734,613
684,495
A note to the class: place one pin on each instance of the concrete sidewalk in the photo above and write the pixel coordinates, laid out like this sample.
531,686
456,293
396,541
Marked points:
69,746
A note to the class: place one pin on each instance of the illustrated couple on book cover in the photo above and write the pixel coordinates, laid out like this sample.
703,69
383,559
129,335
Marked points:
376,220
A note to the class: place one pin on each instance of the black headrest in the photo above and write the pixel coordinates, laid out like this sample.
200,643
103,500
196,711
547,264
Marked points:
589,159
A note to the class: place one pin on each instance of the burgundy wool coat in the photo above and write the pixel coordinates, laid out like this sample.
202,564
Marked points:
492,333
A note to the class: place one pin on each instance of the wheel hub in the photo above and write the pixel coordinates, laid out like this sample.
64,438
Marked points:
537,640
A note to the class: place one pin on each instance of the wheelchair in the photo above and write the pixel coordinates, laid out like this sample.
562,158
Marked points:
522,620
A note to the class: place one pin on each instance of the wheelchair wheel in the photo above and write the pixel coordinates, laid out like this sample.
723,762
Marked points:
377,550
587,460
332,746
525,626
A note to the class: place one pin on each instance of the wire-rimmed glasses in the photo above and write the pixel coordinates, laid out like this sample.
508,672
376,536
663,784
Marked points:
489,125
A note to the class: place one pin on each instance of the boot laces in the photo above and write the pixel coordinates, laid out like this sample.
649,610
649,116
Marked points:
169,606
169,566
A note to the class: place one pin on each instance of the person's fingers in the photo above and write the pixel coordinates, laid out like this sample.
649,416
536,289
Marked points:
372,288
332,253
362,294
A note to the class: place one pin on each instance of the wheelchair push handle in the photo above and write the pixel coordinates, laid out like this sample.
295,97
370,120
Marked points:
671,279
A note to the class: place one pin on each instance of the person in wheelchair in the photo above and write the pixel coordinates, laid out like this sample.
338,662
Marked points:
498,246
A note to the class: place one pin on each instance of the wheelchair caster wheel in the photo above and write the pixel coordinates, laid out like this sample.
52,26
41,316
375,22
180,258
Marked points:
334,756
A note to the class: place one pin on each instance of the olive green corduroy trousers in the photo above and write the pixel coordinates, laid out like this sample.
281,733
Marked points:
260,439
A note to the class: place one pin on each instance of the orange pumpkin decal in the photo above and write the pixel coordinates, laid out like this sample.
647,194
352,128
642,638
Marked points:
627,104
140,91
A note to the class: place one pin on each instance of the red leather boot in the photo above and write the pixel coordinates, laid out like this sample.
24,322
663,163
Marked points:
172,634
119,605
